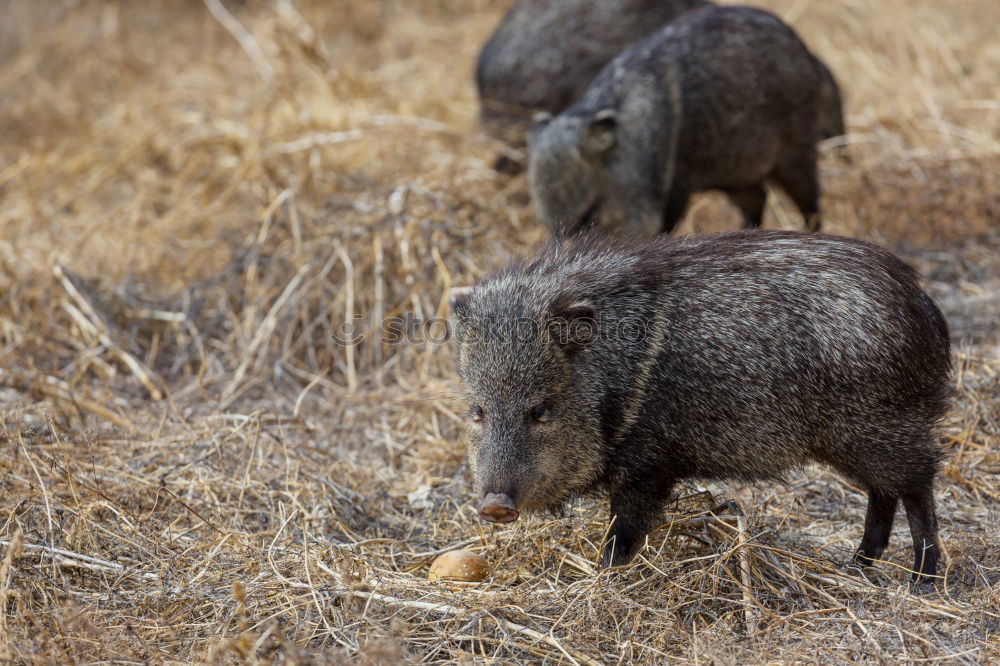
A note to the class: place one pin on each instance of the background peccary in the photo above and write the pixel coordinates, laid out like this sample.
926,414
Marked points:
722,98
735,355
544,53
831,106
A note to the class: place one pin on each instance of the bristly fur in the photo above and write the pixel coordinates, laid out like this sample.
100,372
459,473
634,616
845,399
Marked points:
756,352
723,98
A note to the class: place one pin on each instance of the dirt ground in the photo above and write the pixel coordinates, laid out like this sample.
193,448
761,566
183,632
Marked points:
193,204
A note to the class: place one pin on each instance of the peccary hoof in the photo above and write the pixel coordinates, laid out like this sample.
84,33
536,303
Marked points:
498,508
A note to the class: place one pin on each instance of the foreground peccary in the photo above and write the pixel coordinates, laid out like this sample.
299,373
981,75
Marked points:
544,54
618,369
723,98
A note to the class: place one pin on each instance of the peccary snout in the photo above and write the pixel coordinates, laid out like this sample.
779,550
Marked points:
498,508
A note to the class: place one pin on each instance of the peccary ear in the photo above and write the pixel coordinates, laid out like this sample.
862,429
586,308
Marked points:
458,305
458,299
599,137
573,324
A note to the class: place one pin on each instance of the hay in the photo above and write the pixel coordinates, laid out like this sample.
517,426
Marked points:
194,472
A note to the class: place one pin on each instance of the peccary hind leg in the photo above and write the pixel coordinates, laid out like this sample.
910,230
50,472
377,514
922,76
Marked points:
750,200
633,515
923,527
878,526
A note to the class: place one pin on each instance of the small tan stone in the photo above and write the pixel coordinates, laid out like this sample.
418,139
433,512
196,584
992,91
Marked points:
458,565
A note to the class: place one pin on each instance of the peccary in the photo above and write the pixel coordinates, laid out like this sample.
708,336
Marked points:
544,53
722,98
603,367
831,108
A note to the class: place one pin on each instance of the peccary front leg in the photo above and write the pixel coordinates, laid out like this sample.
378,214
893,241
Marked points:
633,515
878,527
923,527
750,200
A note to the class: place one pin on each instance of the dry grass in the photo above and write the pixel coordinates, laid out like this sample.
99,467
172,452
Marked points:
193,472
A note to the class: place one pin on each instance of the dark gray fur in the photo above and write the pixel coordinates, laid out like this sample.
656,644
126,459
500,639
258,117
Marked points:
759,351
723,98
544,53
831,106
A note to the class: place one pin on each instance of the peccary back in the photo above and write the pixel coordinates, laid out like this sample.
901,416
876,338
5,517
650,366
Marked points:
614,368
544,53
723,98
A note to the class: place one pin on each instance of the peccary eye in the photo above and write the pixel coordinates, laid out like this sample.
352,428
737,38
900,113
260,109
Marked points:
539,412
476,413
